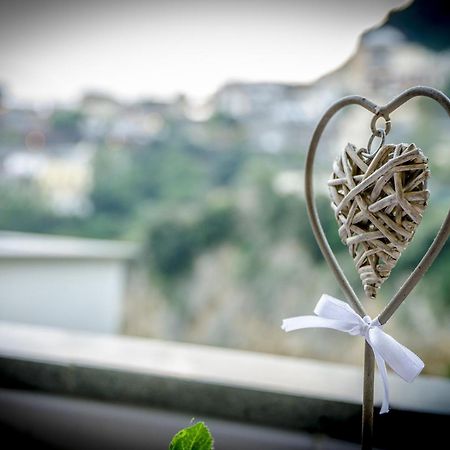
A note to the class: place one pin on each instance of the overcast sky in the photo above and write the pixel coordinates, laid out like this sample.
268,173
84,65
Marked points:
53,50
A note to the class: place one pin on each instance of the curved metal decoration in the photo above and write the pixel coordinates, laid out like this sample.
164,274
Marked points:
441,237
422,267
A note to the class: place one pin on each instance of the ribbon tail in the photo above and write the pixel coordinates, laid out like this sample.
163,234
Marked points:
384,378
403,361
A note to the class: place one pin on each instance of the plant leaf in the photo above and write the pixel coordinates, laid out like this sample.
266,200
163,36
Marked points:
196,437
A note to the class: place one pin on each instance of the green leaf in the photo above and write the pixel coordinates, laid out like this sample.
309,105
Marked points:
196,437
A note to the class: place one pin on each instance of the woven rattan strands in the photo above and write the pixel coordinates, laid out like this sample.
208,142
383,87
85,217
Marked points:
378,200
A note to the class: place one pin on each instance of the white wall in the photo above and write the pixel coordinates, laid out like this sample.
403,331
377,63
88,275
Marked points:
80,294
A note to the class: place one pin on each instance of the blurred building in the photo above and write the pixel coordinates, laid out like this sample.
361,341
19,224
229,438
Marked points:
63,282
65,179
138,124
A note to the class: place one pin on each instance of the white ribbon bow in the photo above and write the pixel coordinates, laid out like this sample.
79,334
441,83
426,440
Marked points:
338,315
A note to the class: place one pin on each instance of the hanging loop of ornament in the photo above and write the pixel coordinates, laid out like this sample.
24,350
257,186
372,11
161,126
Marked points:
382,136
378,132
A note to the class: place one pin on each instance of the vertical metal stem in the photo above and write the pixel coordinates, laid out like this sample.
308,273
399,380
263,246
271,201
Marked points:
367,409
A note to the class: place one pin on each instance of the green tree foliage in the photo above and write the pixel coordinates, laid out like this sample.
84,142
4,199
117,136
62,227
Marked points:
67,124
125,178
114,190
22,208
227,166
215,224
284,216
174,241
172,247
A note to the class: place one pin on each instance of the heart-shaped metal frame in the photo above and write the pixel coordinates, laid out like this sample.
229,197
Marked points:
419,271
441,237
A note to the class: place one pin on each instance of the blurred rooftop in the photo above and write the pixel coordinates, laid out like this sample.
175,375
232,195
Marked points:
30,245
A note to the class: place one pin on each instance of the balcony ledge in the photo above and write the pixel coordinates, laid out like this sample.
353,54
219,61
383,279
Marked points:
269,390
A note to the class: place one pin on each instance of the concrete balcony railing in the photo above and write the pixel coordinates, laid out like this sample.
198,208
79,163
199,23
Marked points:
75,389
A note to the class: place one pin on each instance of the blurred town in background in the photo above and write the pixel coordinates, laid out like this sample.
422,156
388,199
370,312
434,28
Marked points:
212,195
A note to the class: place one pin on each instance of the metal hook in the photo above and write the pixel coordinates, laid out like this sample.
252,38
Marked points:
379,133
387,125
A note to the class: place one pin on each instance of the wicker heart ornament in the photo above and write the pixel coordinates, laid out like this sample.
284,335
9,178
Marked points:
378,200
